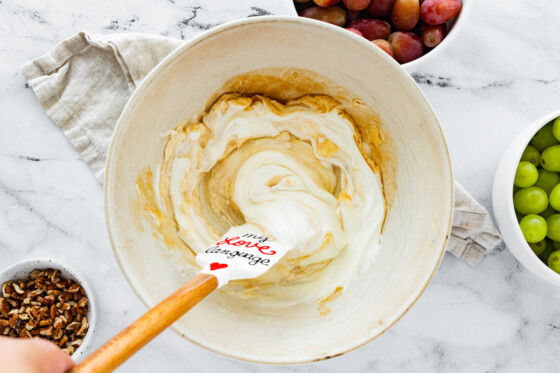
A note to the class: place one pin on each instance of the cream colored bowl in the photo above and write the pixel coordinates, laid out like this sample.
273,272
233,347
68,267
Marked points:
350,69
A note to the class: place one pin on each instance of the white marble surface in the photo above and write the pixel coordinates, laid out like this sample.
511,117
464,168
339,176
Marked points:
501,73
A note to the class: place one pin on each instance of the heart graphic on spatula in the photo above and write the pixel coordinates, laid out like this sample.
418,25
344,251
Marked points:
243,252
214,266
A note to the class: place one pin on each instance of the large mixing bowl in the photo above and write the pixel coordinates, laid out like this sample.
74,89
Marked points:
418,183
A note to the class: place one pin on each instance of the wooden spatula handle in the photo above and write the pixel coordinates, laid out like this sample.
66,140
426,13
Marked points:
125,344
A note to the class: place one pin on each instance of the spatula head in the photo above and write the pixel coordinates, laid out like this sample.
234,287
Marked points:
243,252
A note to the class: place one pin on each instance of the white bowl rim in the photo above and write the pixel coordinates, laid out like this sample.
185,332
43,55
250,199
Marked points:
200,38
65,270
458,24
529,132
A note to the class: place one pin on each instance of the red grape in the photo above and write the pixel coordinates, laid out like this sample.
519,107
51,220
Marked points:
371,28
384,45
436,12
432,35
326,3
334,15
405,14
353,15
380,8
355,31
356,4
406,46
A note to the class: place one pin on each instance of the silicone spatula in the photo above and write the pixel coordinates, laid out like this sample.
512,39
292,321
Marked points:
242,253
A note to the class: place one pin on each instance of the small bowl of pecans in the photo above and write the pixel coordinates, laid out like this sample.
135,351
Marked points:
44,298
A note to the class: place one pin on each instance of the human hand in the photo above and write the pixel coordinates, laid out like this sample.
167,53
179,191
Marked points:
32,356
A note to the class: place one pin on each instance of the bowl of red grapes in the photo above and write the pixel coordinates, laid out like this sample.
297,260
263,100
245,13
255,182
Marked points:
410,31
526,197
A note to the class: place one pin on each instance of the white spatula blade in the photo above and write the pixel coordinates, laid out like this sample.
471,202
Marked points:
242,253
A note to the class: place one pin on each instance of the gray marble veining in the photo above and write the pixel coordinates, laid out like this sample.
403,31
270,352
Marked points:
501,73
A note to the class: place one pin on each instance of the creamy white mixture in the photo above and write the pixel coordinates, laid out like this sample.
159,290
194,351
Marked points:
296,171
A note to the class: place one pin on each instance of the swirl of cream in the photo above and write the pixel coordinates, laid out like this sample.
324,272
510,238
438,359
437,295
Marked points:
296,171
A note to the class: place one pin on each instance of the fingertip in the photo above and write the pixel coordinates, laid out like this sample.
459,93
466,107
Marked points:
52,358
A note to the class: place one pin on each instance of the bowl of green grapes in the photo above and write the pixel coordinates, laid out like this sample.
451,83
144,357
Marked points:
526,197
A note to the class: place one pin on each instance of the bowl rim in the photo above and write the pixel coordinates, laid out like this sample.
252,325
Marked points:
458,24
213,32
527,134
66,271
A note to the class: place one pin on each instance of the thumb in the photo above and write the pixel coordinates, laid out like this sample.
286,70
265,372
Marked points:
49,357
33,356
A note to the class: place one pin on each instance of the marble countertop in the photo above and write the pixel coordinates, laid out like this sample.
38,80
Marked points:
501,73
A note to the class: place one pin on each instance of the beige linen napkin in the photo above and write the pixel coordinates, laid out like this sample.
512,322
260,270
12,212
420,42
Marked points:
85,82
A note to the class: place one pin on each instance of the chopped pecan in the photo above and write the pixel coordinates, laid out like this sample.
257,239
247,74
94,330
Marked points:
74,288
63,341
76,343
33,275
84,328
47,332
34,293
7,289
12,321
62,284
57,334
17,288
41,283
73,326
45,322
23,316
59,323
4,307
31,324
69,350
33,311
55,276
68,315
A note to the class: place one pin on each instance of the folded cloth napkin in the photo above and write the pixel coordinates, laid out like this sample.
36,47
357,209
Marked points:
85,82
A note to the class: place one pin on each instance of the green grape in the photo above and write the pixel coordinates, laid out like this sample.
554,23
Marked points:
553,224
556,245
547,180
554,261
532,200
556,128
538,247
550,158
554,197
547,251
531,154
544,138
526,175
534,228
549,211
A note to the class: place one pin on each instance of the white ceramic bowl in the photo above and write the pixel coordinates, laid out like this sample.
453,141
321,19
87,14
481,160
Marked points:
453,30
417,224
502,199
22,269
